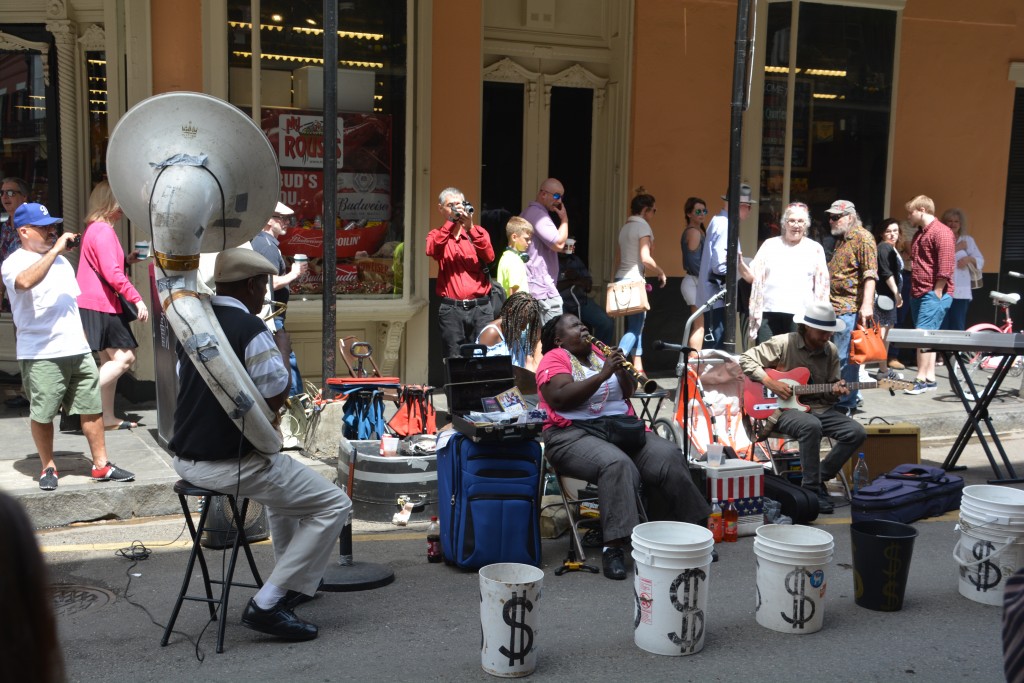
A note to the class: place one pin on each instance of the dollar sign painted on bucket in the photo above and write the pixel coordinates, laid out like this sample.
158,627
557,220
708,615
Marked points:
520,640
803,606
891,590
986,575
691,630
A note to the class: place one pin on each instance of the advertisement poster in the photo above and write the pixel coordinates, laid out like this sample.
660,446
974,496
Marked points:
365,255
773,145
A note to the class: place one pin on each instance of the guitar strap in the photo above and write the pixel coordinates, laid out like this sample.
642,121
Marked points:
768,425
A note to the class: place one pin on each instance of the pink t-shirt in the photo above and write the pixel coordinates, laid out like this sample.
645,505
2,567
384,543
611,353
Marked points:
607,400
102,251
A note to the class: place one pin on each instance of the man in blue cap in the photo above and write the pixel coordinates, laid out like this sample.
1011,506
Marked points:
55,359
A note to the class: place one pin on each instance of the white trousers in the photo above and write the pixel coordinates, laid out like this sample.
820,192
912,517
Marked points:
306,512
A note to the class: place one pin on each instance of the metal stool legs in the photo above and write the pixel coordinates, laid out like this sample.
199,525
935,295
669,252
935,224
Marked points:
184,489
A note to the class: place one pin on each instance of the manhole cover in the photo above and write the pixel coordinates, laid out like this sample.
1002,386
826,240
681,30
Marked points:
70,599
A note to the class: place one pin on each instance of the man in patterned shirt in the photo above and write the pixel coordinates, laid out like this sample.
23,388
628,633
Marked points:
932,252
852,272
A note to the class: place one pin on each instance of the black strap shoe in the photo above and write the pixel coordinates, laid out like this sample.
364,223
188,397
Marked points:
278,621
614,563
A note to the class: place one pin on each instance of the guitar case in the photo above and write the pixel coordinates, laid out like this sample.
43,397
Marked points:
797,502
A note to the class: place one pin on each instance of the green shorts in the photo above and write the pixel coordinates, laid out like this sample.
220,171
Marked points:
72,381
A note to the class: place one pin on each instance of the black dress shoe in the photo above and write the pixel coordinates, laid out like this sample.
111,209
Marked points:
293,599
614,563
278,621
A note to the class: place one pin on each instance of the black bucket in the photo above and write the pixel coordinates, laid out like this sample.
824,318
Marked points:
881,563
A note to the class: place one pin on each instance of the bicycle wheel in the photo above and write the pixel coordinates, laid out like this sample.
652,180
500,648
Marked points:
666,429
978,364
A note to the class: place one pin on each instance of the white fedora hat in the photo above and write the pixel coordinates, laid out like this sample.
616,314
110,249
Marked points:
821,317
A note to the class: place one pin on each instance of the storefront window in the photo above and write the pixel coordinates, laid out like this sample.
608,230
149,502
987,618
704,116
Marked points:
371,124
28,111
840,111
96,84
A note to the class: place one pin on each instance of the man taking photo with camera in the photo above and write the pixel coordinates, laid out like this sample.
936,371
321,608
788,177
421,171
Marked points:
53,354
463,252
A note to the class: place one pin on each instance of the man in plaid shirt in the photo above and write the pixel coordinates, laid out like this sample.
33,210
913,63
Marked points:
932,252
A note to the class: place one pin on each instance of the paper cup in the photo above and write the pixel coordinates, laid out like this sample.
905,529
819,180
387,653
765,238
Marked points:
570,246
300,258
142,249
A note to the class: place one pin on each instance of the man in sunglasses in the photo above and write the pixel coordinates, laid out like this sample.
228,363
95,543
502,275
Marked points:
548,241
853,272
53,354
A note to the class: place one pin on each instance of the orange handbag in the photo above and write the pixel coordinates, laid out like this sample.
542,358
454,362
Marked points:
866,344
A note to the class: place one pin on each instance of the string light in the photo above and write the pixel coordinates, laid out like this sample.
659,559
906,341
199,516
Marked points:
310,60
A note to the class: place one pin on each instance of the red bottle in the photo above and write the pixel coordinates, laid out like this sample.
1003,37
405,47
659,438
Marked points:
731,518
433,541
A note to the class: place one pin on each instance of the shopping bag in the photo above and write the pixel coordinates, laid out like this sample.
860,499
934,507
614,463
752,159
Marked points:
866,344
625,298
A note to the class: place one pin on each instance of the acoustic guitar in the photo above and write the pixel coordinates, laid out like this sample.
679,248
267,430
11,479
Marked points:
759,401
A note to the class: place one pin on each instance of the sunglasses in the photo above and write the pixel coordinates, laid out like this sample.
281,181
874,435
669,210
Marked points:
798,205
556,196
9,193
832,218
700,212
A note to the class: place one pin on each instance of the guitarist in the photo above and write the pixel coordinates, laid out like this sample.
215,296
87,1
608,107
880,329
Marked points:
810,347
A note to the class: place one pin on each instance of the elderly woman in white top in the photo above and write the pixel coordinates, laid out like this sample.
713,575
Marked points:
636,263
968,257
787,275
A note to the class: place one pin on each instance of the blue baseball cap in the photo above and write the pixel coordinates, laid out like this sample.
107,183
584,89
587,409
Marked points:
34,214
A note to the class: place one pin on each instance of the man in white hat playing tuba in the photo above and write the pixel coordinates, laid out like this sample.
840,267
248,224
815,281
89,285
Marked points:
809,347
305,511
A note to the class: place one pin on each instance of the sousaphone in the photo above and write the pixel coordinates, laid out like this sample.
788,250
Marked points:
197,175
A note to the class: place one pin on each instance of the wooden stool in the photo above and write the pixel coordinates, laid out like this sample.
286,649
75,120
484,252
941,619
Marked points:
183,489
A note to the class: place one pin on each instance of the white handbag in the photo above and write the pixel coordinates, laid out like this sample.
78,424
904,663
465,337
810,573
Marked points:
625,298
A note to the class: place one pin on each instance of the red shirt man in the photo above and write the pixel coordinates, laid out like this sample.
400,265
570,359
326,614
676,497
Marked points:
931,284
462,251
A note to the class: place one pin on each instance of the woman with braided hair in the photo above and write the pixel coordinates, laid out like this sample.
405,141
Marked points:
516,332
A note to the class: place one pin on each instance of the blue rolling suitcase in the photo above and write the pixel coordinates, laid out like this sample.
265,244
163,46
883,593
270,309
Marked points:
489,501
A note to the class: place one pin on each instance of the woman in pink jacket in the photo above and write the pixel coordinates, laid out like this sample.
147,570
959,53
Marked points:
101,278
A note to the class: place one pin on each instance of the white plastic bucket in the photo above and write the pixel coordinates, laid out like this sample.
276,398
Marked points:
994,504
987,554
791,580
509,594
670,586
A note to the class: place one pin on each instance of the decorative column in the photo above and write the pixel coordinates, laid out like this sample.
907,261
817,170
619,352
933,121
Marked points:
65,36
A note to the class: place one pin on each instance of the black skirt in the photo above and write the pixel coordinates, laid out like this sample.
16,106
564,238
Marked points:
107,330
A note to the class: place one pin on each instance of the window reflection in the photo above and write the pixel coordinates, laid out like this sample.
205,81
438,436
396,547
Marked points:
371,145
840,133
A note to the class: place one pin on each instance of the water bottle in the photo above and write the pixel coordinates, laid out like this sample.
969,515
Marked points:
860,474
731,517
433,541
715,523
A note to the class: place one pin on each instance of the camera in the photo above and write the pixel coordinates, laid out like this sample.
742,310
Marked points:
75,242
464,208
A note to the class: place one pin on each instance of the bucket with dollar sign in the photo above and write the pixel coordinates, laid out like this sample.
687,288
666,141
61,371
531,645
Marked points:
509,593
789,596
881,563
991,544
670,587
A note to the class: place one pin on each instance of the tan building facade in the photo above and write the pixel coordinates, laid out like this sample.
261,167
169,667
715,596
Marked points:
885,99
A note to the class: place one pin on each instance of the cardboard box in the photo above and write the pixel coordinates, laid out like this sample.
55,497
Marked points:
886,447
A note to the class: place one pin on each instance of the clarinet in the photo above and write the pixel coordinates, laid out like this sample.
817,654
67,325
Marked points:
649,386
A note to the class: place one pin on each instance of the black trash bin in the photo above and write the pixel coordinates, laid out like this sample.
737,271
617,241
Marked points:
881,563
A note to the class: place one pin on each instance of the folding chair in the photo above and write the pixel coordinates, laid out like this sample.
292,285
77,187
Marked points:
572,502
772,445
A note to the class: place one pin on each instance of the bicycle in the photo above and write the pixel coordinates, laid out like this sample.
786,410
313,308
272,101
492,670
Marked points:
978,362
